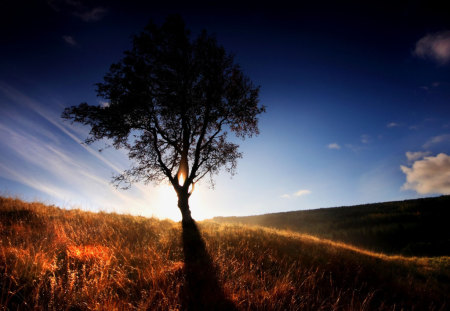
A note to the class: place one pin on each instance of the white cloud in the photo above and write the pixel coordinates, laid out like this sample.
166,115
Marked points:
430,175
302,192
392,124
413,156
69,40
435,47
365,139
334,146
437,140
298,193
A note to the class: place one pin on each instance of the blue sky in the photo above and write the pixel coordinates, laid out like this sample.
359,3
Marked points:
357,101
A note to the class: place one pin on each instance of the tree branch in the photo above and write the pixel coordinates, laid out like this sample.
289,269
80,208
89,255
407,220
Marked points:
214,135
198,148
163,135
165,169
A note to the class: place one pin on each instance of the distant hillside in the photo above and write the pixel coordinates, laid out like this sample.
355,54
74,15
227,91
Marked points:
54,259
414,227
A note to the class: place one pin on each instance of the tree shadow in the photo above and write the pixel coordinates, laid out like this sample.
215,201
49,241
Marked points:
201,290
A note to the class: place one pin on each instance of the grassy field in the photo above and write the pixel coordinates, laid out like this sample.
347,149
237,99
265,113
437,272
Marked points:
54,259
412,228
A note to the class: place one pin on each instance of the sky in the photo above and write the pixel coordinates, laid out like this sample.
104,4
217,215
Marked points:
357,98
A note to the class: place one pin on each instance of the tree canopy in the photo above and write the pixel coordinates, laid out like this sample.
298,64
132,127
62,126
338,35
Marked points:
172,101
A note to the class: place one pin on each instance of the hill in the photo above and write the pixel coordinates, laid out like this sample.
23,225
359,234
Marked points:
54,259
413,227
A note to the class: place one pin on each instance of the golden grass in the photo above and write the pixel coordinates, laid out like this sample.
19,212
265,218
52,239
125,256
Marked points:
427,263
68,259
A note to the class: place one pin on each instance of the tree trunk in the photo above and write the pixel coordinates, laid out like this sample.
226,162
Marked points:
183,205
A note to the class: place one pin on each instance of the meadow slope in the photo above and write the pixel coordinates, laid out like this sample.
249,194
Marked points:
412,227
73,260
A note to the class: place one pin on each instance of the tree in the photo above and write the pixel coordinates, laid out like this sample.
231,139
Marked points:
172,102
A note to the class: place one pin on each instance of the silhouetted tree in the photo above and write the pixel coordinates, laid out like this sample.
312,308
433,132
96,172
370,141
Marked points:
172,102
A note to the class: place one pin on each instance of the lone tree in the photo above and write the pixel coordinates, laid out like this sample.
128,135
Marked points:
172,102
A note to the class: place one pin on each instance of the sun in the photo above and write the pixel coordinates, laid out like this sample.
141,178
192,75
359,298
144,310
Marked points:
166,202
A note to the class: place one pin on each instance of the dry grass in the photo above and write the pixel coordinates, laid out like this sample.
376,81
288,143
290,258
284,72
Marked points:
72,260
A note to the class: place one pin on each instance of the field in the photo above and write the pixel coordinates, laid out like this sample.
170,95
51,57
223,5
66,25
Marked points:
55,259
412,227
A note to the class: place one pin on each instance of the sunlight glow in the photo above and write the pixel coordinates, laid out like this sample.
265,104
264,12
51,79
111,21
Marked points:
191,188
88,252
165,203
181,179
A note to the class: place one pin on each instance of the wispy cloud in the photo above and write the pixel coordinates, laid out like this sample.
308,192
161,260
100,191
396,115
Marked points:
434,46
87,11
70,40
413,156
365,139
437,140
334,146
392,124
429,175
301,192
39,151
37,184
431,86
353,147
55,171
91,15
55,120
436,84
298,193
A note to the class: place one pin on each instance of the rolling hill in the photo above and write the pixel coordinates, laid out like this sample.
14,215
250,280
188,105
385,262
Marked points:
55,259
413,227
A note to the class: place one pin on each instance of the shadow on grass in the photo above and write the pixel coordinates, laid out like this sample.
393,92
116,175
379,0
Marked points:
201,290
